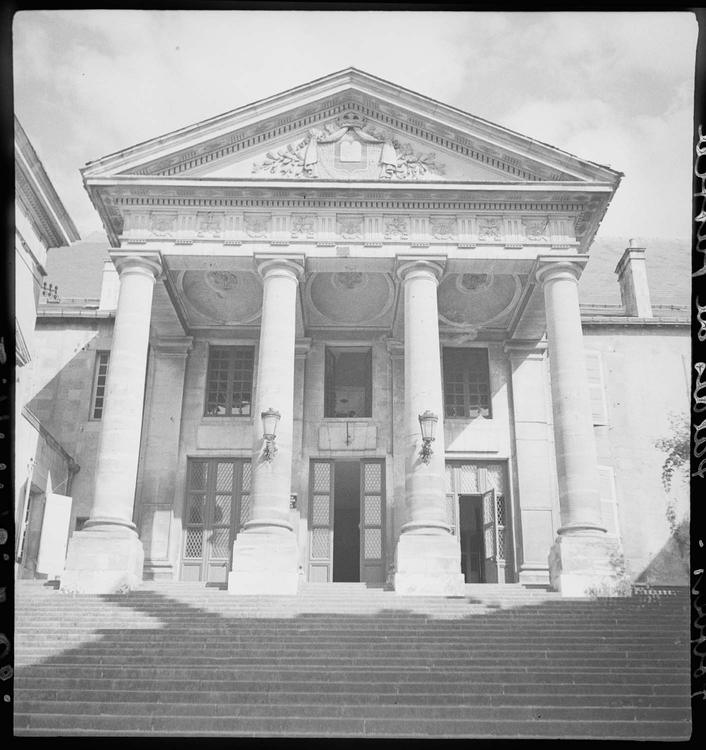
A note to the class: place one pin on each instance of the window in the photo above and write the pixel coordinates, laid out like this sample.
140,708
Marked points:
229,381
348,382
466,383
99,378
596,387
609,502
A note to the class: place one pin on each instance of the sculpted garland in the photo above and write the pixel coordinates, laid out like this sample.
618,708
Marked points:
385,157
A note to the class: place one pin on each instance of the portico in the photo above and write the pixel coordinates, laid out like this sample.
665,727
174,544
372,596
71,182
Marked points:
351,294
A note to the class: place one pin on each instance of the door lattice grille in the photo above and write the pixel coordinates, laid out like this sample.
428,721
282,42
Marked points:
215,506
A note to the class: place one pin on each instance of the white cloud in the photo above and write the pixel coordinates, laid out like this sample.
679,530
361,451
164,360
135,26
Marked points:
612,88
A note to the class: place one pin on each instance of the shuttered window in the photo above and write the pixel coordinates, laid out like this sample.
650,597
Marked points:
99,380
596,387
609,503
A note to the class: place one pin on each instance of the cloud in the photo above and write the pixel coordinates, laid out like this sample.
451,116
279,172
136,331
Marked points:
608,87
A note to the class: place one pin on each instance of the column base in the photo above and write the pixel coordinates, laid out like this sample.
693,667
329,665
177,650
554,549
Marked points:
587,564
264,562
428,565
103,561
534,576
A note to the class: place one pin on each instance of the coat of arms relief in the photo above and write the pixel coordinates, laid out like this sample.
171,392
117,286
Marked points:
350,147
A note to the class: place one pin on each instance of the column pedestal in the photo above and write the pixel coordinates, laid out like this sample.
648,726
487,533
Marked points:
266,562
581,564
106,560
428,564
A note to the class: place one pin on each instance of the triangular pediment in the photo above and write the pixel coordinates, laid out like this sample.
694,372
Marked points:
349,126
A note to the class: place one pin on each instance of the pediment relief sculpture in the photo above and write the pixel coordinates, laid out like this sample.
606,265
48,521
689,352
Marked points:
349,147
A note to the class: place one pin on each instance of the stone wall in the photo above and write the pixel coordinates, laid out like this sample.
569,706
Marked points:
646,382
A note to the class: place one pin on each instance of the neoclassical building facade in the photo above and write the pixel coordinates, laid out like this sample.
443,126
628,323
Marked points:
340,339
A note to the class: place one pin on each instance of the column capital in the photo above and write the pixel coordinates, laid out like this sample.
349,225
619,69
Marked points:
549,267
419,264
146,262
286,265
302,347
172,346
395,348
525,348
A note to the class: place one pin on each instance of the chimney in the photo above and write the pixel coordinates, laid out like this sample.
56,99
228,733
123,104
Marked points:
632,276
109,287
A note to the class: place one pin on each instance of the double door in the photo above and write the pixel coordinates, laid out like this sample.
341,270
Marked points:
217,501
347,520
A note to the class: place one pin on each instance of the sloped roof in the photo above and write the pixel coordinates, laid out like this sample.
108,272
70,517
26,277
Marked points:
668,271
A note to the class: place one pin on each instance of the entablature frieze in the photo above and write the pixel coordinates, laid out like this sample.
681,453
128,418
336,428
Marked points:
485,224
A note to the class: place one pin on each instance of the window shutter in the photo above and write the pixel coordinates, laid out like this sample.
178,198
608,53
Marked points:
609,505
596,387
329,381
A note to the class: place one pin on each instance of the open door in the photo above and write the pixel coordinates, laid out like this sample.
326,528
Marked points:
321,522
372,521
494,536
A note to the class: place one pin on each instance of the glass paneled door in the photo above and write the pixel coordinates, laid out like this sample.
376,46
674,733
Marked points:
216,506
347,520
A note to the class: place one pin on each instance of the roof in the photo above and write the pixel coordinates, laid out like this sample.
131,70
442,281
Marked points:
668,264
351,78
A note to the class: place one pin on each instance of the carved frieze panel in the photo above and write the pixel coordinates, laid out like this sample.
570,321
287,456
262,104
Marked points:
490,229
468,229
443,227
303,226
350,227
256,225
536,229
209,224
163,224
396,227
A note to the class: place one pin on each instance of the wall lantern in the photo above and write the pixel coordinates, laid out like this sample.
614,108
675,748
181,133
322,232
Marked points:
427,422
270,418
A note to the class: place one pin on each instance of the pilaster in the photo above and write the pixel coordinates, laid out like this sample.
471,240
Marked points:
158,470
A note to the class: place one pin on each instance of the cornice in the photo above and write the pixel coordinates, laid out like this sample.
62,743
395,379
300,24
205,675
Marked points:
375,98
34,186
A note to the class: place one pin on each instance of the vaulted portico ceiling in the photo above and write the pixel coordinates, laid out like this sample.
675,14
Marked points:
345,137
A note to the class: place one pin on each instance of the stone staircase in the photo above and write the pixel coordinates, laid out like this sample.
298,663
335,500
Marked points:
176,659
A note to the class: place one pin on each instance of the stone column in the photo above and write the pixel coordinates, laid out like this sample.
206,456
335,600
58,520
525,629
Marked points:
580,556
265,551
428,558
107,556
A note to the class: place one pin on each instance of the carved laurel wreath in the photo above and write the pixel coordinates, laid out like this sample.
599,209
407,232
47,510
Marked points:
289,160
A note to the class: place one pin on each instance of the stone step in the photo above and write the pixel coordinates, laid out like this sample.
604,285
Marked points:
335,659
335,726
495,695
419,686
329,710
266,673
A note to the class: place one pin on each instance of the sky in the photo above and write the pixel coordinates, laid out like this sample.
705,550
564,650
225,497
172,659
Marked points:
614,88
